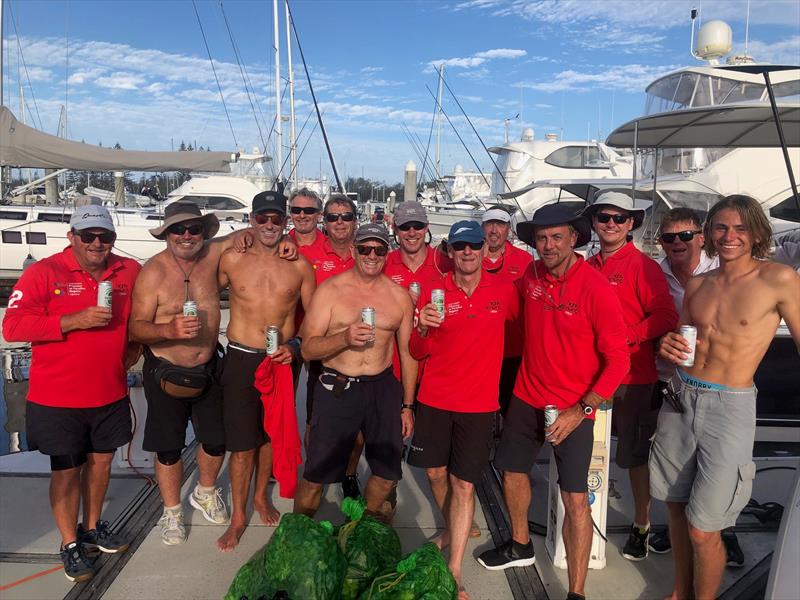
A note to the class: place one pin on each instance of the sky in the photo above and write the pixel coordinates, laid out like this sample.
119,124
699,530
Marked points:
138,73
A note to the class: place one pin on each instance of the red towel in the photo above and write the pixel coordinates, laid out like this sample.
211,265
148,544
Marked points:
274,381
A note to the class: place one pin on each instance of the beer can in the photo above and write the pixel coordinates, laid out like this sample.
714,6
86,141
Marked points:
273,339
690,333
437,298
413,287
368,316
105,291
550,415
190,308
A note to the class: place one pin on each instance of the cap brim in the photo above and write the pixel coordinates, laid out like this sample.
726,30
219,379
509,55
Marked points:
636,213
210,222
526,229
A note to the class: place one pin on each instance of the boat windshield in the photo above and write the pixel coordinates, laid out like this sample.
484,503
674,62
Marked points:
214,202
672,161
698,201
688,89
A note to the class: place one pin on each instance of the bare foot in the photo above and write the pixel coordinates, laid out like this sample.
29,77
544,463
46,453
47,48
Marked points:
268,513
474,531
462,593
230,539
442,540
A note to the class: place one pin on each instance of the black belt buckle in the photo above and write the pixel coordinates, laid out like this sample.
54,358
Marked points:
673,398
340,384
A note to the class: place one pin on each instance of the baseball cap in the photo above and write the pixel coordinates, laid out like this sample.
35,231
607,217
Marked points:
372,231
465,231
496,214
274,201
87,217
410,212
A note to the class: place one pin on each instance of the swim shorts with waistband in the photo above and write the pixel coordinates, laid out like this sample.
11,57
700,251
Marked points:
243,409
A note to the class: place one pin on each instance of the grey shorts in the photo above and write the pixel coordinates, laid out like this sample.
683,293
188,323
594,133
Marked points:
704,455
634,422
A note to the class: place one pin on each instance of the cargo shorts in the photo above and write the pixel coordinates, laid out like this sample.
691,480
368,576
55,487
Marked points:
702,453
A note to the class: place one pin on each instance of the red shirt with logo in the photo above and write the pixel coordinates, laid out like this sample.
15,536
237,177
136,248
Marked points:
83,368
464,355
510,266
432,268
647,307
574,337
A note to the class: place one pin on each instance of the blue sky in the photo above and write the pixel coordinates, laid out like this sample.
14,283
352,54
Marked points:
138,72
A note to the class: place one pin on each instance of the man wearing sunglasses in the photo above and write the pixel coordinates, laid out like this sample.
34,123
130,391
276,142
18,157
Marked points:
649,313
456,408
78,410
264,290
357,391
305,210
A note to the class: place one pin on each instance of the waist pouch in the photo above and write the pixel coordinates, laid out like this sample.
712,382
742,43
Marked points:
186,382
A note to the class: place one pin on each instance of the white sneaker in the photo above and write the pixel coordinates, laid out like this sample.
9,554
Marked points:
173,532
211,505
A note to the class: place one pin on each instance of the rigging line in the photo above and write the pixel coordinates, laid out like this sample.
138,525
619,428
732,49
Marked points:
211,60
416,145
474,162
430,135
25,66
303,150
241,72
298,136
314,98
437,181
475,131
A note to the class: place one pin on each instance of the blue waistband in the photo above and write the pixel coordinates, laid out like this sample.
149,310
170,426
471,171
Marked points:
703,385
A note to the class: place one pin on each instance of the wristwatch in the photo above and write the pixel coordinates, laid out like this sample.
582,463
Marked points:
587,409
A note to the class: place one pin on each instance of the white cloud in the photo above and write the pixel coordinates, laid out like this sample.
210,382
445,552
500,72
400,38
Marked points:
626,78
476,60
372,69
120,81
786,52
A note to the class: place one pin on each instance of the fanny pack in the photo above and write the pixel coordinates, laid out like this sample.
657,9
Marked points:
185,382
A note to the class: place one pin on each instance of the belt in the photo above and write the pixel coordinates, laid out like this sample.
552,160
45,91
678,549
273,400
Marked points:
342,382
248,349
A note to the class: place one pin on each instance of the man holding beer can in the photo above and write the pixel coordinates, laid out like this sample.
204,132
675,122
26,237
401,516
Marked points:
649,313
357,391
701,463
455,410
575,356
73,307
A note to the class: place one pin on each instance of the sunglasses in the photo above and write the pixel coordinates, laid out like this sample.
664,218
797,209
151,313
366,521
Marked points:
415,225
306,210
262,219
605,218
366,250
87,237
685,236
459,246
180,229
345,216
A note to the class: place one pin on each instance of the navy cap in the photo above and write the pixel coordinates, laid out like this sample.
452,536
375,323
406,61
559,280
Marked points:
465,231
269,201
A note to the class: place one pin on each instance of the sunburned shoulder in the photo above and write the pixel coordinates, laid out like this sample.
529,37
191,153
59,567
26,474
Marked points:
155,264
777,274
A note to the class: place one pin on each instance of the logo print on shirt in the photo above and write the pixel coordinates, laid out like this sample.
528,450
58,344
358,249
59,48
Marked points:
616,279
493,306
398,279
453,308
571,309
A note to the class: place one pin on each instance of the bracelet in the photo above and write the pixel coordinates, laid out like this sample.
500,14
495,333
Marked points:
408,406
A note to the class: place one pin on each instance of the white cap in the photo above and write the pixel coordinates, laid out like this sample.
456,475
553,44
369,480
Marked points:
89,217
496,214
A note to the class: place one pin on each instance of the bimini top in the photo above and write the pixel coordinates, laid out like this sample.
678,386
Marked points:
23,146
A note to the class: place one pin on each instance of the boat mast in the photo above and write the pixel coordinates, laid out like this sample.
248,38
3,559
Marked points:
2,77
278,134
292,136
439,120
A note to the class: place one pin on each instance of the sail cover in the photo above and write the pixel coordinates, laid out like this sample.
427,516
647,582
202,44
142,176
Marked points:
23,146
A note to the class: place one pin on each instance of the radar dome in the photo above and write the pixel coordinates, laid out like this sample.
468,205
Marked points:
527,135
714,40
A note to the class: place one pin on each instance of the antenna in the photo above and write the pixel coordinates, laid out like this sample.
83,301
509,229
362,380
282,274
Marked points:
747,29
694,14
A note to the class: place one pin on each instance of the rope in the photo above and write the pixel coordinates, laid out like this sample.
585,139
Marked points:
219,87
25,66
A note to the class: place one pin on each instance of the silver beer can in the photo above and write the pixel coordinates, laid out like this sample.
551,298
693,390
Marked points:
437,299
550,415
690,333
413,287
105,291
273,339
368,316
190,308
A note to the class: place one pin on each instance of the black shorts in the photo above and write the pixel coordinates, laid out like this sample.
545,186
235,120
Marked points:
633,421
523,437
508,376
314,369
371,405
244,411
456,440
59,431
168,417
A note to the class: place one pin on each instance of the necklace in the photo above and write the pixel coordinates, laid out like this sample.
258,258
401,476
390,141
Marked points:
185,275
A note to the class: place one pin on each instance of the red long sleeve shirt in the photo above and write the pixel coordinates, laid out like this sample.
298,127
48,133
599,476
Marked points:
510,266
647,307
464,355
574,337
83,368
323,259
432,268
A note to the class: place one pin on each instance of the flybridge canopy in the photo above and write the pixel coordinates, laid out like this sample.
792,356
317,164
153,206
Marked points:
746,125
23,146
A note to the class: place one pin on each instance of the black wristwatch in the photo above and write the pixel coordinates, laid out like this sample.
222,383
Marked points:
587,409
410,407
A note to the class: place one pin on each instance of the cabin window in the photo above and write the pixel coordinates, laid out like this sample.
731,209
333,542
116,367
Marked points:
54,217
36,237
12,237
577,157
214,202
14,215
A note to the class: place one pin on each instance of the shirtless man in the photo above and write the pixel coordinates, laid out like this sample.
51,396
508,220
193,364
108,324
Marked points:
185,270
701,462
357,391
264,291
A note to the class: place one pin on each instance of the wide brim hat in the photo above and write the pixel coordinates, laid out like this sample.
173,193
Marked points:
618,200
186,211
556,214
